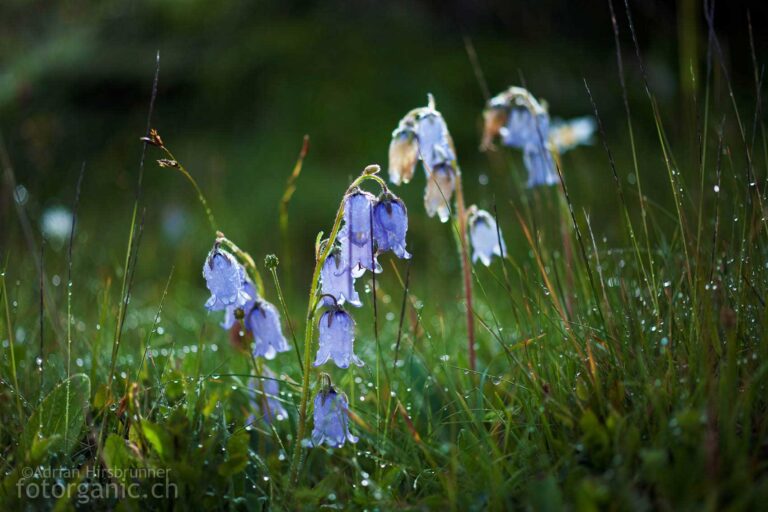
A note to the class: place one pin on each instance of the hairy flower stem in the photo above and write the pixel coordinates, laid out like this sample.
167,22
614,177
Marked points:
281,298
321,256
175,164
12,350
466,270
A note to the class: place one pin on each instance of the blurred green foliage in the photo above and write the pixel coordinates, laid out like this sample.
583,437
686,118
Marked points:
242,82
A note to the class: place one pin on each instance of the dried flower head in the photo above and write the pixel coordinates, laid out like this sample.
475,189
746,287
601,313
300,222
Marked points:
154,138
403,153
494,119
441,183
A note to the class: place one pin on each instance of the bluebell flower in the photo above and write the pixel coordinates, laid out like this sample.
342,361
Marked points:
263,321
390,224
517,117
485,237
331,419
441,183
336,280
522,122
271,389
435,144
231,313
336,330
225,278
437,154
355,237
403,153
540,164
566,135
524,128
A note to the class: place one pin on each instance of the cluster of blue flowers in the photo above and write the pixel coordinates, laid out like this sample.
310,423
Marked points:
423,135
371,226
522,122
233,292
374,225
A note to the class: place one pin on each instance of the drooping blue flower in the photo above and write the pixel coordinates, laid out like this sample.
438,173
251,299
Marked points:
441,182
336,280
337,335
523,128
485,237
566,135
230,314
390,224
540,164
435,145
331,419
269,386
263,321
355,237
225,278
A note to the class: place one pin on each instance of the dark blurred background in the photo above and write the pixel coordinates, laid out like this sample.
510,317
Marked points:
241,82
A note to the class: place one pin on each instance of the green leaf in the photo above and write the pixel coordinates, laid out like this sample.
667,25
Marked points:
9,491
118,458
237,458
157,437
544,494
62,413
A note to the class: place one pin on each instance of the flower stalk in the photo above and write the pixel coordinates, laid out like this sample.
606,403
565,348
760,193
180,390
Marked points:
368,174
466,269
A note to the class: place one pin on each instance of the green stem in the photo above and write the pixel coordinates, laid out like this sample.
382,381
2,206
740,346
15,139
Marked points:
466,269
284,307
368,173
175,164
17,392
